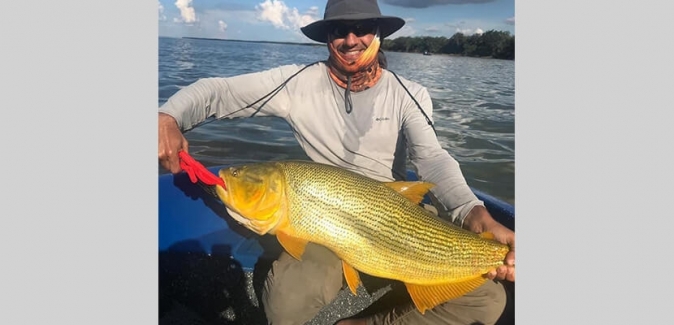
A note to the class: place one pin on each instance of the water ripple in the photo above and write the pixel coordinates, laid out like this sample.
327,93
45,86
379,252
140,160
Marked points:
473,100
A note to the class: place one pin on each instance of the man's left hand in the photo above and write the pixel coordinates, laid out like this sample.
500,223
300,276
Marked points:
479,220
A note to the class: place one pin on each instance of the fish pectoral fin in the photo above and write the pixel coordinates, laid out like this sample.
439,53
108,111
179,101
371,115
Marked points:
294,246
414,191
351,276
427,297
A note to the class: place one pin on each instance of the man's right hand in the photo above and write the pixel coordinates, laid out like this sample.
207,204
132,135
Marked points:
171,141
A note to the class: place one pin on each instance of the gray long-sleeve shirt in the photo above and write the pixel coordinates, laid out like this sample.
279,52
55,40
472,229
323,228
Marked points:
370,140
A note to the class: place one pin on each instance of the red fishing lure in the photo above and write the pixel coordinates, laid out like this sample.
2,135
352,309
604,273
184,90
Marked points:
197,171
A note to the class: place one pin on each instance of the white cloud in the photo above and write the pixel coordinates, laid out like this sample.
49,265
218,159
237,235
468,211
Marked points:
222,26
460,27
187,14
510,21
162,17
282,17
298,20
409,20
272,11
469,31
313,11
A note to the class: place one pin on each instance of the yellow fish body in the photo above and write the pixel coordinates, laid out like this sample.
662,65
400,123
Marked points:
374,227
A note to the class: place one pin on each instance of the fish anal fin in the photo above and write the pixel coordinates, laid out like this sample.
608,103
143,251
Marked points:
414,191
294,246
351,276
426,297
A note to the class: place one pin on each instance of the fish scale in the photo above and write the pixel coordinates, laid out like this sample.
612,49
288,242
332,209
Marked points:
370,225
406,241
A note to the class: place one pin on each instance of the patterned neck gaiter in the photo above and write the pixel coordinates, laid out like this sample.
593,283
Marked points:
359,75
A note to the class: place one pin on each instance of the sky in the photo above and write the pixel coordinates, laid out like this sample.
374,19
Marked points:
275,20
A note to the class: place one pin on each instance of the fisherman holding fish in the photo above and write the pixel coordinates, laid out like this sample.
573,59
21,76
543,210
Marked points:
351,112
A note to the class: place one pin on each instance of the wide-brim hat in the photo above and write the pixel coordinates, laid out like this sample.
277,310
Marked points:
336,10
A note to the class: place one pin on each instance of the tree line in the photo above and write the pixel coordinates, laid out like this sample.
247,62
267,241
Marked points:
492,43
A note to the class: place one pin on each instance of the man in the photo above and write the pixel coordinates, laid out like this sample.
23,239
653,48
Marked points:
350,112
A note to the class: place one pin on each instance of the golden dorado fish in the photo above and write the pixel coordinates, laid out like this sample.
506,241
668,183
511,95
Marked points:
377,228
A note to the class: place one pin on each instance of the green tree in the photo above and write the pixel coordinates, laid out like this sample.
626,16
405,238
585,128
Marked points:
493,43
455,44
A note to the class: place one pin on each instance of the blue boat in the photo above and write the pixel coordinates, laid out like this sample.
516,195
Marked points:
208,262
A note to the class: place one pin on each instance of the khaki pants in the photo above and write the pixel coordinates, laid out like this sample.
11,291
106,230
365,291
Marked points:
295,291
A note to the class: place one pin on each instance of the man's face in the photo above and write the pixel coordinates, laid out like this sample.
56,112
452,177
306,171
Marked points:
351,38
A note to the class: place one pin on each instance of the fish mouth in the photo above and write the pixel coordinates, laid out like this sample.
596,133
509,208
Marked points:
219,191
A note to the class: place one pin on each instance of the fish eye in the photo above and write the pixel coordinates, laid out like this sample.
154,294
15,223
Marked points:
235,172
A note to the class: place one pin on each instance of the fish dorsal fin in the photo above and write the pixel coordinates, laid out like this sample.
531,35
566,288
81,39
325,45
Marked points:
414,191
427,297
351,276
294,246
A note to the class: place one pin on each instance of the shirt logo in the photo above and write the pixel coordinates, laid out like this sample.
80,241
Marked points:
382,119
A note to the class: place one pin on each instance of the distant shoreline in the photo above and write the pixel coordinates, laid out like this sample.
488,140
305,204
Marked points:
244,41
321,44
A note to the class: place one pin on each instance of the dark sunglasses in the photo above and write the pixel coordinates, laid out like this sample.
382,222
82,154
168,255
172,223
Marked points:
360,28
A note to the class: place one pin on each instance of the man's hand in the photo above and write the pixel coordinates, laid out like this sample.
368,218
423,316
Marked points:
171,141
479,220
